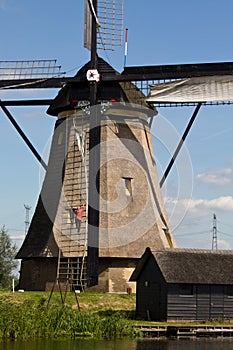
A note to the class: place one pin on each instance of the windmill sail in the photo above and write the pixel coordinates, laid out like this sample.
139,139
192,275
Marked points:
87,26
110,20
196,89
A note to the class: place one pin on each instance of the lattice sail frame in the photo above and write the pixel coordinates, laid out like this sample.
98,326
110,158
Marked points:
110,14
29,69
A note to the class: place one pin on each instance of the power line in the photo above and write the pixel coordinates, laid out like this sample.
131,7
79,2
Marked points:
215,231
196,221
226,234
223,223
193,233
15,229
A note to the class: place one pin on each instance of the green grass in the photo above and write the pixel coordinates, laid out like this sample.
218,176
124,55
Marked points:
103,316
90,301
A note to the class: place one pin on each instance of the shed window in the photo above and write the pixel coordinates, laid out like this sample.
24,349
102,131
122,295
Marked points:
185,289
229,291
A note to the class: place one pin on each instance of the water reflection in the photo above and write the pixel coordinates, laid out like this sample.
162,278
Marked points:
186,344
144,344
70,345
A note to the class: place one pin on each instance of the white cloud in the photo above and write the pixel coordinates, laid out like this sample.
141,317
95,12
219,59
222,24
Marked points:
224,203
201,242
196,209
192,219
220,177
222,244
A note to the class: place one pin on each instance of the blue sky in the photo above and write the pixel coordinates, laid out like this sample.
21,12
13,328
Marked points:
160,32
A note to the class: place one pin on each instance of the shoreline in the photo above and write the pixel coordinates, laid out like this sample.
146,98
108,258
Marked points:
185,331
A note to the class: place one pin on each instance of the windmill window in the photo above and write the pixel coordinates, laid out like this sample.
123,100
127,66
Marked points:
60,138
128,186
70,216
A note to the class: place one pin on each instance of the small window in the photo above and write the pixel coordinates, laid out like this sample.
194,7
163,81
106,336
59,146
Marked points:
128,186
229,291
186,289
70,216
60,138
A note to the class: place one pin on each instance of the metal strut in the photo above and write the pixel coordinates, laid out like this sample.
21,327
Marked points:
180,144
22,134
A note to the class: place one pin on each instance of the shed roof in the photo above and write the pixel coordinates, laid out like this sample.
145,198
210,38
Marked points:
190,265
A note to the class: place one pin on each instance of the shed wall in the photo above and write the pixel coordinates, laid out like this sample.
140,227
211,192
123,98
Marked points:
208,302
180,306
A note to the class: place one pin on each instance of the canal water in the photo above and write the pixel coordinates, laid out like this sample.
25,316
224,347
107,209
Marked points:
144,344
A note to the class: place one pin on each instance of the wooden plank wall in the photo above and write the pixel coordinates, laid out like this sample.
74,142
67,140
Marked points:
208,302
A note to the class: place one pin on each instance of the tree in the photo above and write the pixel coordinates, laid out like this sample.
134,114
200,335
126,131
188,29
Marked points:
7,262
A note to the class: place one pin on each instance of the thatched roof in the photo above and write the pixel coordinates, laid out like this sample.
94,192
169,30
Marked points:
190,265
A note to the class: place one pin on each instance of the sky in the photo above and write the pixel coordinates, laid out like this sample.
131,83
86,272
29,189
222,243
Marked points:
160,32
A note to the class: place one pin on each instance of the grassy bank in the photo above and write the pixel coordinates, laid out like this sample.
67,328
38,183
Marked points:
103,316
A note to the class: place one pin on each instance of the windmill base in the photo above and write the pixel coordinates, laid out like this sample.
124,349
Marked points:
39,274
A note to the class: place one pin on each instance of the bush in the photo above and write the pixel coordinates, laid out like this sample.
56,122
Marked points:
7,262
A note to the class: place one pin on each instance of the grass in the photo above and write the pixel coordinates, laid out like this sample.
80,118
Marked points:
90,301
103,316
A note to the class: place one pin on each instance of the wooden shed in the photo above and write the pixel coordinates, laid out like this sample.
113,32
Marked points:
184,284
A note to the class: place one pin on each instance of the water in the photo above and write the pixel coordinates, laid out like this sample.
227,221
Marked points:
144,344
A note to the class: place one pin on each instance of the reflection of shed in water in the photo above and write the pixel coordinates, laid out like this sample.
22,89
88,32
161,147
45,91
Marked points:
184,284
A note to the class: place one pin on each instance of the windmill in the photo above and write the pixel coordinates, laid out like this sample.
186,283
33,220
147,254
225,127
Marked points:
89,107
